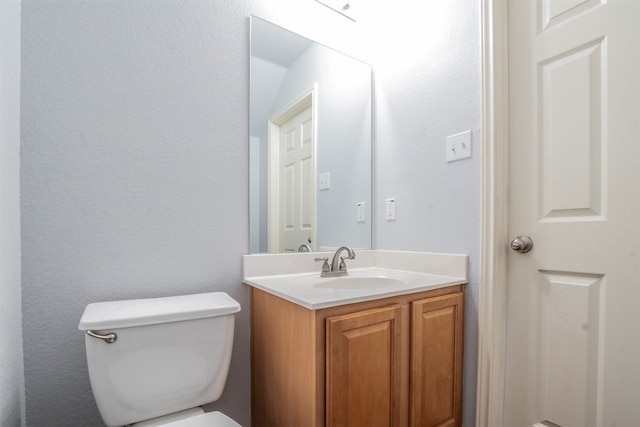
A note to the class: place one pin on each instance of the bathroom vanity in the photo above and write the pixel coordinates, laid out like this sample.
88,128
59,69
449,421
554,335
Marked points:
381,347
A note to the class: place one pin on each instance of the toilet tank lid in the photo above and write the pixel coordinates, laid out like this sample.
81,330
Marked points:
149,311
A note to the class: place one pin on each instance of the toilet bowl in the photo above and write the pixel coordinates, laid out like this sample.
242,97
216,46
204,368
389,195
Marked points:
155,361
190,418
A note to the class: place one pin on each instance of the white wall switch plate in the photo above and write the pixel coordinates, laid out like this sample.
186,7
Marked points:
391,209
361,214
459,146
324,181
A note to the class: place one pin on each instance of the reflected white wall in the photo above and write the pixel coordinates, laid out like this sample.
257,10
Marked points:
11,363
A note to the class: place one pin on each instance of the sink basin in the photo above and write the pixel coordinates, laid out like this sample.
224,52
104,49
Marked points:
357,282
311,291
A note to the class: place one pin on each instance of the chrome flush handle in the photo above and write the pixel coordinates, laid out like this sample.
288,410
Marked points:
109,338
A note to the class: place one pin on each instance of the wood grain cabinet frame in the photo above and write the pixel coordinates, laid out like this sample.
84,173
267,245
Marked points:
390,362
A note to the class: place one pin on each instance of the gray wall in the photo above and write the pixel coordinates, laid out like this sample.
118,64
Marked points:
11,365
135,162
134,177
421,98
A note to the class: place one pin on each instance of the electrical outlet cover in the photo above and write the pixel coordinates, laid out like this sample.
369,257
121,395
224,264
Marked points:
361,212
324,181
390,209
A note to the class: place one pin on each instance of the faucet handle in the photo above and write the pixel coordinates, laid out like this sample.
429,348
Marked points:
343,266
325,264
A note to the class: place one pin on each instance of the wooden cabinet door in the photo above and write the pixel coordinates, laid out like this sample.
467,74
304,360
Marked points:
436,361
364,368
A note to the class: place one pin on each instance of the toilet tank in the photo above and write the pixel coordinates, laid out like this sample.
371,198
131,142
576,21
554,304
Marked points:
170,354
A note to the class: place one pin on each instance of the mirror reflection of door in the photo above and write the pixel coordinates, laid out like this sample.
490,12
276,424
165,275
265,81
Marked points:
292,177
283,67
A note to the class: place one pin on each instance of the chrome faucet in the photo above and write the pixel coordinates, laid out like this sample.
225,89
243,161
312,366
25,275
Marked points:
337,268
304,248
341,269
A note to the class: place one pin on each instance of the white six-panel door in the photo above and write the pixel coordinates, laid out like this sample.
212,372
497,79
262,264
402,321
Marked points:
292,171
297,174
573,302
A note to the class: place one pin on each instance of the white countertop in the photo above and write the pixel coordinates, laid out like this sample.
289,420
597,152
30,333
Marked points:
302,288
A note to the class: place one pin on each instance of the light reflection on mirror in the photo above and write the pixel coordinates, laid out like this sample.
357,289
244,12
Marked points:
310,144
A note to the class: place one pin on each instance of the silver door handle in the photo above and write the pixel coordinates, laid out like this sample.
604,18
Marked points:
522,244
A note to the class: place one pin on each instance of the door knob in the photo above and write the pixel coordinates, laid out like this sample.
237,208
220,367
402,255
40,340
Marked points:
522,244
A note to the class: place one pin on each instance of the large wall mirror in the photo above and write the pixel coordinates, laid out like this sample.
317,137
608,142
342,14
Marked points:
310,144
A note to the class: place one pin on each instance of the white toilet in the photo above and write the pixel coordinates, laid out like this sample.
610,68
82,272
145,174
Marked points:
155,361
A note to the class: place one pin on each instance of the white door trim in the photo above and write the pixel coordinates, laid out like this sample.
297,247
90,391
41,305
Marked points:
493,264
310,98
